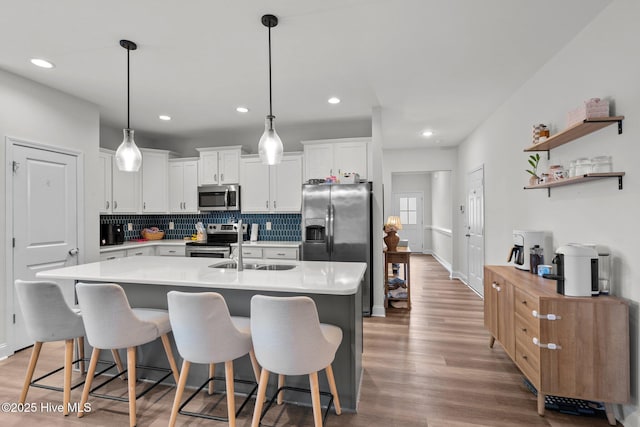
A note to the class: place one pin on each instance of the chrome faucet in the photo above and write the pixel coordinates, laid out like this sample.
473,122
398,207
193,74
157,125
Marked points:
239,264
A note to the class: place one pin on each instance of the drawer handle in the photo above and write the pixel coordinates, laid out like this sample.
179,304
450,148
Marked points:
523,329
524,302
280,254
550,346
549,316
110,258
172,252
524,356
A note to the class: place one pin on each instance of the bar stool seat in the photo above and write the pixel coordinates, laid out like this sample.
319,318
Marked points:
49,318
111,323
206,333
289,339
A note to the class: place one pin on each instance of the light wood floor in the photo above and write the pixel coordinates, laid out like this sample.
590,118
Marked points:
428,367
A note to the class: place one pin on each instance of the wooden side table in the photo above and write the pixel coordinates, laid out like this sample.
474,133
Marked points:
402,255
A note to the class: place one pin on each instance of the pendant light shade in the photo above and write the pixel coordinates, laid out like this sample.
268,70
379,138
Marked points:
270,145
128,156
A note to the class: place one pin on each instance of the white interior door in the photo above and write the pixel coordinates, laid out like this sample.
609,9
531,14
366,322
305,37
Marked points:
45,220
408,206
475,230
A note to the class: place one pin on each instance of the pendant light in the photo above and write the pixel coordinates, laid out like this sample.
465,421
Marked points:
270,145
128,156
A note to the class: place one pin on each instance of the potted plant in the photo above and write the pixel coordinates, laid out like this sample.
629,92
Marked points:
534,160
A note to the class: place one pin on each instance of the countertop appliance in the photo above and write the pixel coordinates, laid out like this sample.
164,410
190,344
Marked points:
577,270
336,226
219,197
111,234
523,241
218,243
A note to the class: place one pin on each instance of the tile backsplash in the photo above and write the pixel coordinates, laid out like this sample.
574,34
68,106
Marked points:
284,227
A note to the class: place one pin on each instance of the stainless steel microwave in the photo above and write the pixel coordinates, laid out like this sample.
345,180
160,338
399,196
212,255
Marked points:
219,197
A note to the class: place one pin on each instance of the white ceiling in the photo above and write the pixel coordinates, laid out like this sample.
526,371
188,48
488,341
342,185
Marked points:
438,64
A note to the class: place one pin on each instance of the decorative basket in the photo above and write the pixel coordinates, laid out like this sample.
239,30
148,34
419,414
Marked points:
158,235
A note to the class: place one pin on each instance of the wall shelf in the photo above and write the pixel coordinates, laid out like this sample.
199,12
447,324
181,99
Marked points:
576,131
576,180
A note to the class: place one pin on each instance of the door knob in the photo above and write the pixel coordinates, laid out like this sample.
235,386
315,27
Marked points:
467,235
73,251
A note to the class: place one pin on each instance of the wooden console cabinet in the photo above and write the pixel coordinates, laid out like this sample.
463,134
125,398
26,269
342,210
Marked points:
575,347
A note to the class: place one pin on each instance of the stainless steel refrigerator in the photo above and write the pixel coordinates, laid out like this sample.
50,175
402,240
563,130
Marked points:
336,226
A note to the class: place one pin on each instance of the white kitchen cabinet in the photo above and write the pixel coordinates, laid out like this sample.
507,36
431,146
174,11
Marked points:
183,185
170,250
267,252
220,165
105,161
323,158
106,256
155,182
144,251
125,191
271,189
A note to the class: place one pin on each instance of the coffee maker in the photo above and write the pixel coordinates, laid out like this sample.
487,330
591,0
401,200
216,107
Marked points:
577,270
111,234
523,241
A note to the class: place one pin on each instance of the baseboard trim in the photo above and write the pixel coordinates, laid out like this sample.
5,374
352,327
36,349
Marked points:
444,263
378,311
5,352
460,276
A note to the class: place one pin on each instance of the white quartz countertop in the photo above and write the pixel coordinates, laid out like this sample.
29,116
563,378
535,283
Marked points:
315,277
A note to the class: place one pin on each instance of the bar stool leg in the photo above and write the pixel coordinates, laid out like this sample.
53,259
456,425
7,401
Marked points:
184,373
255,365
66,388
116,358
131,369
231,398
89,379
315,399
81,354
262,391
280,385
334,389
35,353
172,361
212,373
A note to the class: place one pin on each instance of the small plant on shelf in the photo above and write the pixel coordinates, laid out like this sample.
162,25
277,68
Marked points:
534,160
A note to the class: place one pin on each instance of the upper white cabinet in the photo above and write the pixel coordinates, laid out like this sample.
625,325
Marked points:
183,185
220,165
125,191
105,160
270,189
323,158
155,183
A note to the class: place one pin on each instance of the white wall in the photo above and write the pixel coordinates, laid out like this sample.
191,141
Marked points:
601,61
441,214
32,112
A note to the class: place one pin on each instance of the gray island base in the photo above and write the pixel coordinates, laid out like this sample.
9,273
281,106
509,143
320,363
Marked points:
335,287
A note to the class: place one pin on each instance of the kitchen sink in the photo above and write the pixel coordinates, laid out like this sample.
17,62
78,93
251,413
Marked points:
255,266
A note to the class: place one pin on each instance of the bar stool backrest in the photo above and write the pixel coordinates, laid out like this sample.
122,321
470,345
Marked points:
47,316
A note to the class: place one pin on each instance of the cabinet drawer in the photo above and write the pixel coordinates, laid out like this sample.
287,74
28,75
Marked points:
170,250
525,303
527,324
106,256
528,364
281,253
146,251
248,252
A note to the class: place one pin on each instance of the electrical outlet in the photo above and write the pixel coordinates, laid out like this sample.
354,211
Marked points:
129,227
268,225
172,226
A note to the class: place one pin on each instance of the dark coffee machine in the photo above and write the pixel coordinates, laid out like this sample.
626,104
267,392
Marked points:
111,234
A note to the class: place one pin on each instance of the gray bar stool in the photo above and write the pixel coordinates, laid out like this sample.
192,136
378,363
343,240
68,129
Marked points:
112,324
289,339
206,333
48,318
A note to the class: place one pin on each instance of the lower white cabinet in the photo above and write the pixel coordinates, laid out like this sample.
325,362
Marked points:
144,251
267,252
270,189
173,250
106,256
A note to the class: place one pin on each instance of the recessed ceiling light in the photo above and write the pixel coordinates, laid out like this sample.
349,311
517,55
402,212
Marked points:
333,100
164,117
42,63
427,133
242,109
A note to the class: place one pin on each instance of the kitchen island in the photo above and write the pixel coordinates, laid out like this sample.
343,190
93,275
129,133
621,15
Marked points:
334,286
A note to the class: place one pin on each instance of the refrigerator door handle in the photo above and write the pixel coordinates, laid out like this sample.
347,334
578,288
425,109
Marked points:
332,217
327,221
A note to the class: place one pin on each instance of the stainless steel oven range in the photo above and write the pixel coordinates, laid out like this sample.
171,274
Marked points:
218,243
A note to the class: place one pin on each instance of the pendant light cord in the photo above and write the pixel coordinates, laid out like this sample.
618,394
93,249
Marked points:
128,103
270,92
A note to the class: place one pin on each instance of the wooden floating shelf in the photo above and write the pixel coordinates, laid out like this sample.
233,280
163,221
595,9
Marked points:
576,131
576,180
